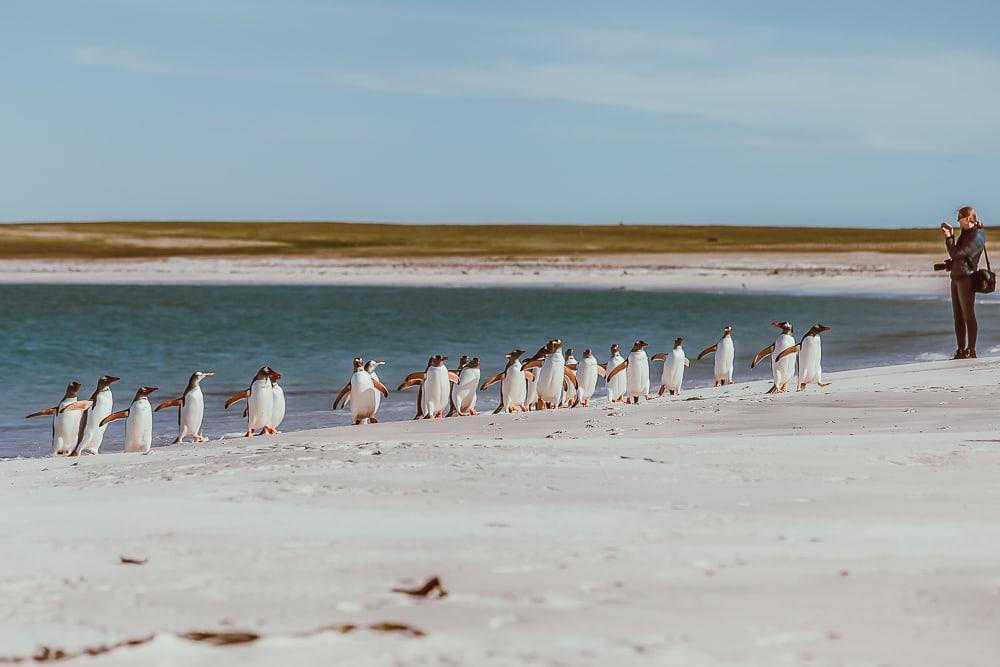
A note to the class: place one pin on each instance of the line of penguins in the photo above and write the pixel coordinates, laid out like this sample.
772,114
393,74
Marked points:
549,379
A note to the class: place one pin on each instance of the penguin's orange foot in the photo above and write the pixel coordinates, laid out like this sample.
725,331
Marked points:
270,430
473,412
823,384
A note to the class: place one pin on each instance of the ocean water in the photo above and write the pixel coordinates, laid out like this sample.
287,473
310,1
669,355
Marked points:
158,335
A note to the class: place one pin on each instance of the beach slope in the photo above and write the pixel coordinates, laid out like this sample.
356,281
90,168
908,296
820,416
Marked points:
853,525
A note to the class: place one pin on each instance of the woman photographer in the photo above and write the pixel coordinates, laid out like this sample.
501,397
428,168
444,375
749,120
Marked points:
964,253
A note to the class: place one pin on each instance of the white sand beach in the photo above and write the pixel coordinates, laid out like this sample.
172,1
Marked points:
815,273
853,525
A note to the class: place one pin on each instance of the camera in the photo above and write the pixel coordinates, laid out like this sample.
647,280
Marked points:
943,266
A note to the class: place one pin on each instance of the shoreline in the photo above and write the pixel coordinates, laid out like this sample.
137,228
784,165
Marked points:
829,274
694,532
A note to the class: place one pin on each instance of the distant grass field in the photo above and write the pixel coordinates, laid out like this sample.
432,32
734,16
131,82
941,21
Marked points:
334,239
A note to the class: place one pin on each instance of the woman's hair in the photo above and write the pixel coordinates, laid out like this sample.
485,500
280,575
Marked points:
969,212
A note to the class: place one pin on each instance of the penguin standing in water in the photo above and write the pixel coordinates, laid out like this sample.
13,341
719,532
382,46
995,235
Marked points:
101,404
463,396
260,401
616,385
782,369
435,388
364,391
810,354
636,369
587,372
66,418
674,364
139,422
192,408
513,384
725,353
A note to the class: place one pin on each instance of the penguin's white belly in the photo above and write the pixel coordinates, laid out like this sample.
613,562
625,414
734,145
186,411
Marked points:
260,405
139,427
531,389
437,389
192,412
725,353
586,379
783,370
278,410
617,386
514,386
550,378
93,433
465,390
810,358
364,397
65,428
637,375
673,372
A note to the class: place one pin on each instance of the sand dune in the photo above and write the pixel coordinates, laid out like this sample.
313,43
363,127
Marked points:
855,525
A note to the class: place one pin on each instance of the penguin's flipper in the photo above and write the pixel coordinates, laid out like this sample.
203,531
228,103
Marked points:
76,405
346,391
453,377
492,381
410,383
602,370
42,413
531,363
414,376
121,414
687,363
787,351
499,409
572,377
659,356
172,403
617,369
381,387
237,397
529,376
707,351
763,354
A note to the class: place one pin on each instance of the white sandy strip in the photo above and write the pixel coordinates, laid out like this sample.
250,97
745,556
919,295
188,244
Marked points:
856,525
847,273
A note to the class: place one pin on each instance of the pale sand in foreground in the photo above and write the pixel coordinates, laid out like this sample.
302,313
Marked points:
846,273
854,525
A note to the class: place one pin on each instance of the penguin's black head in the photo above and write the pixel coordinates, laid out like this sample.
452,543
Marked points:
678,342
817,329
106,381
587,352
786,327
358,363
474,363
727,330
514,354
73,387
614,348
639,345
143,392
569,352
438,359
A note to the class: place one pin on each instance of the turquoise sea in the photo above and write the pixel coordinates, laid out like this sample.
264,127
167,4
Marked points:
157,335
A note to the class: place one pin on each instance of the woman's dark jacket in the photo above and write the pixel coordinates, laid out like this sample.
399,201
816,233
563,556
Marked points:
965,252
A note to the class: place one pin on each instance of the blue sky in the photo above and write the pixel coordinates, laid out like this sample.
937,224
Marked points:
576,112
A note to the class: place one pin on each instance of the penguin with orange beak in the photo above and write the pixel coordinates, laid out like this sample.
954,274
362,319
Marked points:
810,354
260,401
139,421
191,406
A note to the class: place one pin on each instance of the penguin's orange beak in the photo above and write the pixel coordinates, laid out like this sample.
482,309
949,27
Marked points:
776,324
275,375
112,378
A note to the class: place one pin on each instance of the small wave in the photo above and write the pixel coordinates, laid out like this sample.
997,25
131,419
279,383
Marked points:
932,356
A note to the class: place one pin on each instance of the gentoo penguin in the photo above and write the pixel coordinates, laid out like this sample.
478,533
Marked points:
462,363
636,369
784,369
616,385
586,378
513,384
568,398
372,367
91,431
417,379
552,374
260,401
810,353
139,424
463,395
724,355
365,393
66,418
435,387
192,408
278,409
674,363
